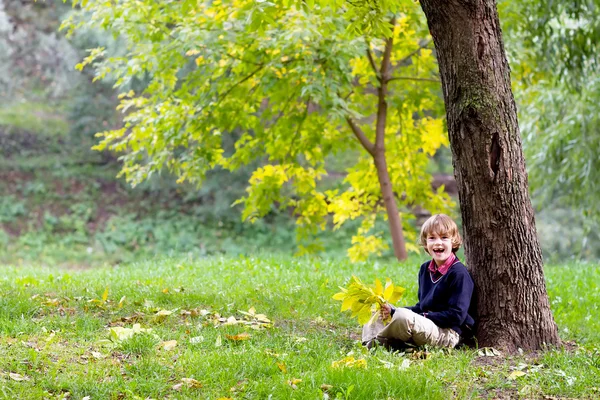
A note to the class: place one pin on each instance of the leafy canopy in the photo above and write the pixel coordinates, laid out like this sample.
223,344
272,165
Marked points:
282,79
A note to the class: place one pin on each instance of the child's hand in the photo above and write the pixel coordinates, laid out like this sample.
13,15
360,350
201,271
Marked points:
386,311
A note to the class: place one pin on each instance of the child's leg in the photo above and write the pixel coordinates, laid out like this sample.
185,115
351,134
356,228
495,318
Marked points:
407,325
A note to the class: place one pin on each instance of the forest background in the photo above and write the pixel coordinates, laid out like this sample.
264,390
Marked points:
62,203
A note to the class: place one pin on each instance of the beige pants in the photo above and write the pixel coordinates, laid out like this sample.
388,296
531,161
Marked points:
406,326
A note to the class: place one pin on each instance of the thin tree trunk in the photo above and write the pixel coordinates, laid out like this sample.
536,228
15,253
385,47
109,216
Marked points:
377,150
379,157
501,245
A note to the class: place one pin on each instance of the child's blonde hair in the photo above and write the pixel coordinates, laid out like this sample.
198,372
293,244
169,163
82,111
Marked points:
442,225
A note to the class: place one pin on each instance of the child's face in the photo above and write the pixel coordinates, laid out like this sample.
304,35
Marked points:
439,246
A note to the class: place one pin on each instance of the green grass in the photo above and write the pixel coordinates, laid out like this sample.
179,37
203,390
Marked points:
38,117
55,324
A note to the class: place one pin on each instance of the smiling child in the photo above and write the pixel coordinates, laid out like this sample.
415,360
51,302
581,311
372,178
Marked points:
444,310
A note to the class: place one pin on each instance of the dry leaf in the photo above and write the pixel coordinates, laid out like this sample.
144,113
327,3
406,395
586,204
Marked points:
168,345
282,367
191,383
177,386
293,382
515,374
405,364
325,387
196,339
18,377
161,315
241,336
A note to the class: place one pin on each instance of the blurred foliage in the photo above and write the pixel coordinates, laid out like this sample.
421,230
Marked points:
554,57
292,85
35,61
552,51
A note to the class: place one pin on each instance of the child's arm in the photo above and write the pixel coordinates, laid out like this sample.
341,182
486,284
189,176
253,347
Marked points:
417,307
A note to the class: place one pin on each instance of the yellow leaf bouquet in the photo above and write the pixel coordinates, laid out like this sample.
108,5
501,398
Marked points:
361,299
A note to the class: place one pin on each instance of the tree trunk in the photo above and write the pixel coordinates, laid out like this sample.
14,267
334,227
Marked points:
502,249
387,193
390,206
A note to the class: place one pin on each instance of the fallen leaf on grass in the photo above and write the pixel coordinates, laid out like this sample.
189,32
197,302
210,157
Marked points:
161,315
177,386
18,377
349,362
241,336
293,382
515,374
191,382
405,364
224,398
168,345
420,355
196,339
489,352
325,387
282,367
97,355
119,333
258,317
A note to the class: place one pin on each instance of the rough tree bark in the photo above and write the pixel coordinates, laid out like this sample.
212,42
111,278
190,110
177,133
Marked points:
502,249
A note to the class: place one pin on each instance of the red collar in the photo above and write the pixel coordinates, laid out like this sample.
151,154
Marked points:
443,269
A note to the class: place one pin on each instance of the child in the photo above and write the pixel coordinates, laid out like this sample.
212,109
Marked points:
445,291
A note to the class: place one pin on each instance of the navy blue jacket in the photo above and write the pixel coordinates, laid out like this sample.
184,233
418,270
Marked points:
446,301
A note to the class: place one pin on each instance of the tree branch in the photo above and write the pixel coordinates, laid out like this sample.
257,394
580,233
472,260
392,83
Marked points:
362,138
372,62
221,97
382,93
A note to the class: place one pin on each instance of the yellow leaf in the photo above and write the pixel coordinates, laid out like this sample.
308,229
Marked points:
364,315
105,295
191,383
378,287
397,293
282,367
349,362
389,290
293,382
241,336
348,302
165,290
339,296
